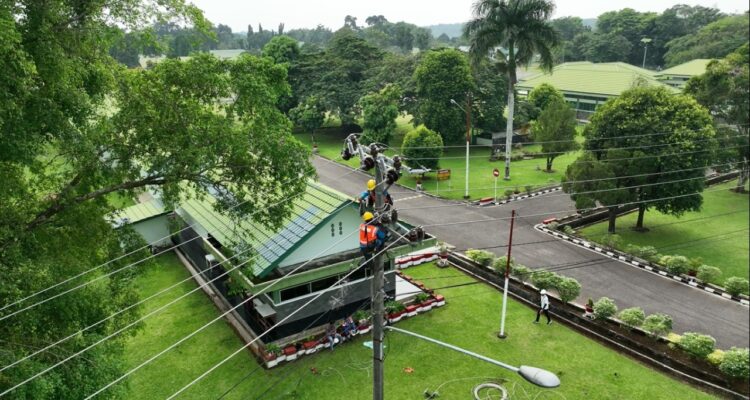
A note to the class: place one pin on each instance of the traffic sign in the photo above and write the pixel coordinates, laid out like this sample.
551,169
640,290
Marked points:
496,172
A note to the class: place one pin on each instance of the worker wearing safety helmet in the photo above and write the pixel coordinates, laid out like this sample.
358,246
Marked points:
367,198
371,235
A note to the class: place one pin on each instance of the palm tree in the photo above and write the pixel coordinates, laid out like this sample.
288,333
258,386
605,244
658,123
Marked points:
520,27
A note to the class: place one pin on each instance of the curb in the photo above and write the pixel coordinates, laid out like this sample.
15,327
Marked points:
488,201
644,265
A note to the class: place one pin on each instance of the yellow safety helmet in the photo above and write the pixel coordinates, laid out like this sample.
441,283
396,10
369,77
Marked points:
367,216
371,184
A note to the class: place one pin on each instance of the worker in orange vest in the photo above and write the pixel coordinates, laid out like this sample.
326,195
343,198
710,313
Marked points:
371,236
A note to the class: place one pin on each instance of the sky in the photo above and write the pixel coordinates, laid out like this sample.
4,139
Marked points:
331,13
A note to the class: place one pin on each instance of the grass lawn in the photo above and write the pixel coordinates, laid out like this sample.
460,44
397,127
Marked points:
721,241
470,320
481,181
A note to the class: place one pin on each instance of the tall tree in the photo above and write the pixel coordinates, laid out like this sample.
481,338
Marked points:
76,127
423,147
658,145
443,75
607,47
379,111
488,100
282,49
542,96
629,24
725,90
674,22
568,28
556,130
514,31
309,115
714,40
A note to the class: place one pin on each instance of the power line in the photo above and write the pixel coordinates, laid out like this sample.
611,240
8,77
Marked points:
559,141
587,180
86,272
220,363
272,283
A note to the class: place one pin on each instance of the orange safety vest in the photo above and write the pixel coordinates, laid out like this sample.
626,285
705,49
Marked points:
367,234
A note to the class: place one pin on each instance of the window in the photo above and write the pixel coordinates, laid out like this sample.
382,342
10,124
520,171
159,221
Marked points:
324,283
333,230
295,291
341,228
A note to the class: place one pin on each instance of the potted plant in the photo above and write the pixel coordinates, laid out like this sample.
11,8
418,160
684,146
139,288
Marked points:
395,310
272,355
443,255
290,352
425,302
310,345
589,307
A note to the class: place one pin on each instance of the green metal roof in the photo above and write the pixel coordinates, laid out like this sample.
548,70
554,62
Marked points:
688,69
316,205
605,79
141,211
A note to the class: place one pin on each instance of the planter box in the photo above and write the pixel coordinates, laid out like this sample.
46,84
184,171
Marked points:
395,317
364,329
272,363
310,347
292,357
290,350
439,301
427,305
411,310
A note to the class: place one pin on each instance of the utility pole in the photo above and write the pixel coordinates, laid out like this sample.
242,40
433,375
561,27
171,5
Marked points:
378,308
502,334
645,42
468,141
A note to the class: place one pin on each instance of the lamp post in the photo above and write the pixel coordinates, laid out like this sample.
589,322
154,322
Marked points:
537,376
645,42
468,138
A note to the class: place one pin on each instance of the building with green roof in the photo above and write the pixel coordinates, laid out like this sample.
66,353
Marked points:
321,231
587,85
678,75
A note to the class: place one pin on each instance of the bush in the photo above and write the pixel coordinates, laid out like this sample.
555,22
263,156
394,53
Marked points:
675,264
736,363
716,357
421,297
482,257
707,273
544,279
611,240
423,146
632,317
697,345
604,308
393,306
568,288
553,225
521,272
569,229
508,193
657,324
736,286
644,252
528,189
499,264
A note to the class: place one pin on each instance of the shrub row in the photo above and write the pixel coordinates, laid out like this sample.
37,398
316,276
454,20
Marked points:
734,363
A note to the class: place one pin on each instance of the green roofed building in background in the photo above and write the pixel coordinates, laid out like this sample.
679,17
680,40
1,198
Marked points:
678,75
587,85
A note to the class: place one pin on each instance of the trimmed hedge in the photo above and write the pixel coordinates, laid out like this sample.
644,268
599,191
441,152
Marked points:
736,286
604,308
545,279
707,273
697,344
675,264
736,363
568,288
482,257
657,324
632,317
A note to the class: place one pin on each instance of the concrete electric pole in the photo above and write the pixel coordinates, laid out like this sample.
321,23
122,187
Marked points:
378,295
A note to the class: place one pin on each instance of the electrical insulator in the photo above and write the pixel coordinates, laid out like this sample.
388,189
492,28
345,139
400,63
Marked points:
397,163
391,176
367,163
420,233
374,149
345,154
394,215
412,235
353,140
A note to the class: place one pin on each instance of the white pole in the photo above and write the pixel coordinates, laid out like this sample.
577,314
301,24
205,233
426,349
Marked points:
496,189
466,190
505,303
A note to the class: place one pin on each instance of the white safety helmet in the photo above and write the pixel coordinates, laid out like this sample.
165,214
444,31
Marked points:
543,291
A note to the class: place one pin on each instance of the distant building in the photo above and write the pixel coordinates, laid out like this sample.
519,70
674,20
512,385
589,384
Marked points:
322,231
587,85
678,75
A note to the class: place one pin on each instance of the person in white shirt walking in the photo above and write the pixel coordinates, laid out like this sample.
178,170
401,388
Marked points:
543,307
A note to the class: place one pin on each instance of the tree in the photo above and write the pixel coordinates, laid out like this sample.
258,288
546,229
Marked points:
674,22
379,111
542,96
522,28
76,127
350,22
714,40
376,20
488,100
656,145
556,129
725,90
422,38
607,47
309,115
628,24
443,75
568,28
282,49
402,36
423,147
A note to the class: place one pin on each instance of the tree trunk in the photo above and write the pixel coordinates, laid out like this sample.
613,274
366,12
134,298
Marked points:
641,212
612,219
549,163
509,130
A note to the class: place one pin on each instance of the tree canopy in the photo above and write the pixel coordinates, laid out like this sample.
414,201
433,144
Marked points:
422,147
76,128
379,111
714,40
282,49
555,129
443,75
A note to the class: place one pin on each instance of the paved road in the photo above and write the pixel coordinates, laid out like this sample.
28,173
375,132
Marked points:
691,309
